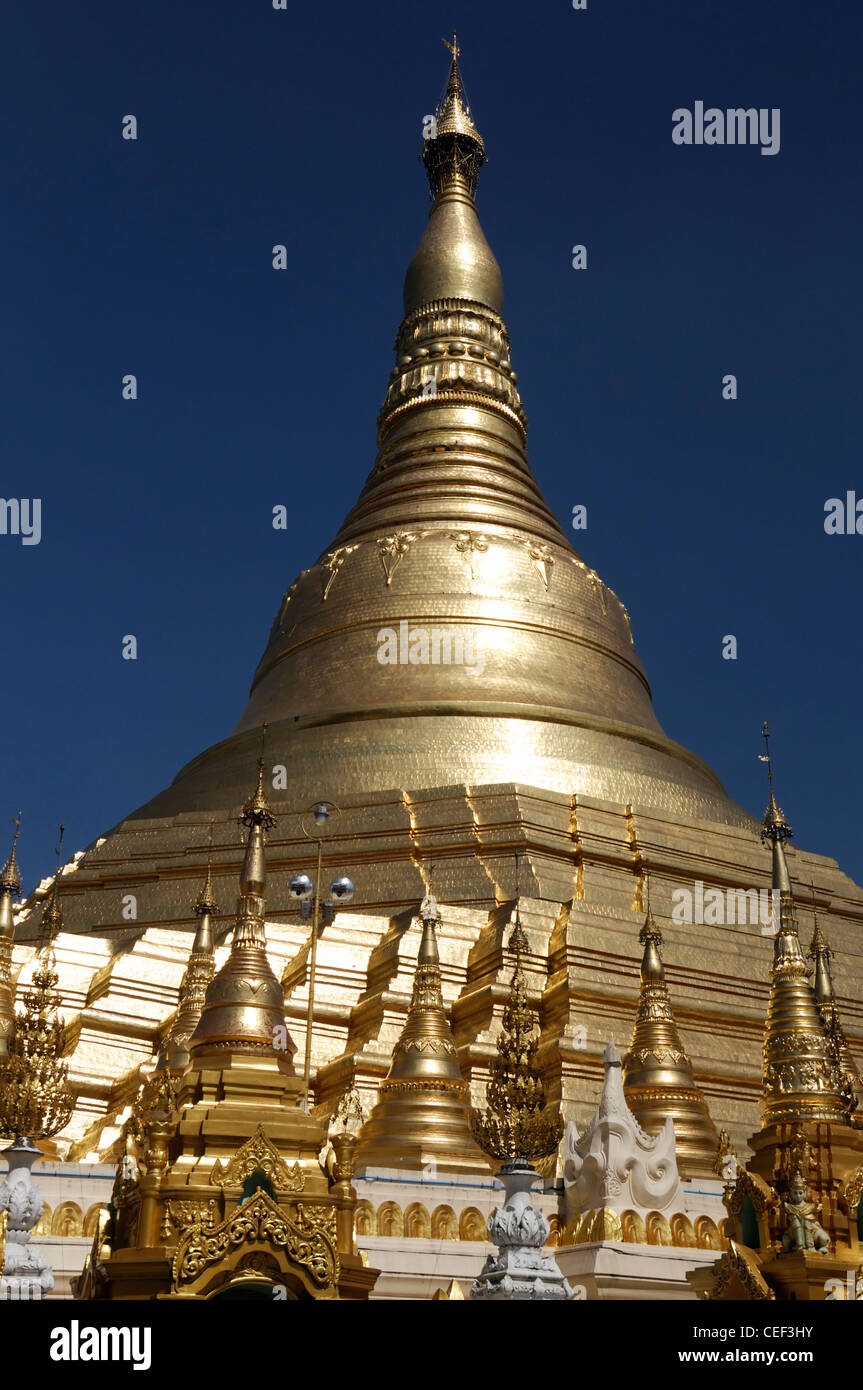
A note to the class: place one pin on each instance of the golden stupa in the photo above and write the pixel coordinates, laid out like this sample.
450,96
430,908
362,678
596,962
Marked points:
464,686
657,1074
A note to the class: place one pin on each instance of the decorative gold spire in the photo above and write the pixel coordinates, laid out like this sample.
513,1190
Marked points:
453,260
517,1124
10,885
851,1085
801,1079
422,1112
199,972
52,920
244,1006
35,1099
455,151
657,1074
205,904
10,876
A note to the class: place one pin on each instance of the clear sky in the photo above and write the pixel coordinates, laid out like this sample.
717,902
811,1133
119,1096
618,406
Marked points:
258,126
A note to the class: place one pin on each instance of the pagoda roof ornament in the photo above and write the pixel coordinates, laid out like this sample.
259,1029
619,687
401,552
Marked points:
517,1125
10,874
244,1006
802,1078
422,1112
453,260
658,1077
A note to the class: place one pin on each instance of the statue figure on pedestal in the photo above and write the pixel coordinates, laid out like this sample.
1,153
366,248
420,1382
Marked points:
803,1231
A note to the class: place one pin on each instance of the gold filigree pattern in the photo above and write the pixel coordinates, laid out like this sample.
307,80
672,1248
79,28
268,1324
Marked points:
392,550
852,1190
186,1213
542,560
309,1240
332,565
437,1046
258,1154
742,1266
470,544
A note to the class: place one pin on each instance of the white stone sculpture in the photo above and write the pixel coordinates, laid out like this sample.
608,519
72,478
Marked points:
614,1163
520,1270
26,1273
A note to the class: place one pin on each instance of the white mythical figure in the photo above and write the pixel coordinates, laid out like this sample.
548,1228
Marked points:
614,1163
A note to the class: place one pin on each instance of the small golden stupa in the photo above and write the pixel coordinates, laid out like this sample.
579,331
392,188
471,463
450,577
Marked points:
423,1112
657,1073
794,1209
224,1194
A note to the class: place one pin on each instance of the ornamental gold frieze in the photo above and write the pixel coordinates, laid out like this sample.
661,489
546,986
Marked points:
185,1213
660,1054
449,347
437,1047
460,1089
801,1079
307,1238
794,1043
664,1096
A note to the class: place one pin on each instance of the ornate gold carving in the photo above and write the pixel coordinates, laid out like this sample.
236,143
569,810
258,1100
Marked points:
437,1046
185,1213
852,1190
470,544
35,1097
542,559
726,1164
308,1240
742,1265
333,564
764,1198
517,1123
283,608
391,550
258,1153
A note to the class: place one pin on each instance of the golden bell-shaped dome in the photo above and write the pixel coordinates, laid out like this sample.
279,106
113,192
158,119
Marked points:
449,633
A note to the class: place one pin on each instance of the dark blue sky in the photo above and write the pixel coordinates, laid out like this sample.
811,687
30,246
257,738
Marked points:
303,126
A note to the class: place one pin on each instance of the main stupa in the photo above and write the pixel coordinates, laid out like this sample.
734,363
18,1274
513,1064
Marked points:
541,740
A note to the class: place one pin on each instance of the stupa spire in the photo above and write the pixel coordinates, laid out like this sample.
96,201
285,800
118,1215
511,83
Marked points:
422,1112
244,1007
801,1079
657,1074
851,1085
10,886
199,972
453,149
